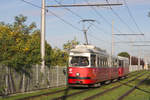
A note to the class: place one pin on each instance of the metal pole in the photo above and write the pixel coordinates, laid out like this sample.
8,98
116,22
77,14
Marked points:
139,60
37,75
112,40
85,35
57,76
43,36
23,83
130,60
112,45
131,55
6,80
86,29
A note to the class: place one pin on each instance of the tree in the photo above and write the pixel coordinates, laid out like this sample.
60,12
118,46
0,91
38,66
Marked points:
70,45
124,54
20,45
59,57
48,55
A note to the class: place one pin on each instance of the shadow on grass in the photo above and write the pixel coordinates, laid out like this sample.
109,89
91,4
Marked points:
66,93
64,97
146,82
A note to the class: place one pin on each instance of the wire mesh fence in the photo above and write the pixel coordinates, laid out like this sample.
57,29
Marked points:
14,82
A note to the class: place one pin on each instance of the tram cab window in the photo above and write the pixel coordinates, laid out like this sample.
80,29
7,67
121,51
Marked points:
93,60
79,61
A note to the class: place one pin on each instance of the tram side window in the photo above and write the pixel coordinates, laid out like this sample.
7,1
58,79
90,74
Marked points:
121,63
105,63
98,62
101,64
93,60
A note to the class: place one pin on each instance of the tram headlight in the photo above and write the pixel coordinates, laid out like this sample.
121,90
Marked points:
77,74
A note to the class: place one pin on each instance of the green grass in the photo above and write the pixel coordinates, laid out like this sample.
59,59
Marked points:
123,89
70,91
142,92
91,92
113,94
21,95
138,95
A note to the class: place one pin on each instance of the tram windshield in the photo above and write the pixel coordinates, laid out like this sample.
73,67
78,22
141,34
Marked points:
79,61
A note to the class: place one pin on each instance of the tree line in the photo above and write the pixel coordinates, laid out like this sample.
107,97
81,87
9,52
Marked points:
20,46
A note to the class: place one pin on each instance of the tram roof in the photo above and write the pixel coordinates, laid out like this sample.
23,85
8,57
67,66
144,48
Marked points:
87,49
122,58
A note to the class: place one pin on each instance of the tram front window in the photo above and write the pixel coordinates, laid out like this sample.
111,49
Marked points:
79,61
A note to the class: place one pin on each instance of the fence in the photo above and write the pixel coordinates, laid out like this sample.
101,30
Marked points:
135,68
13,82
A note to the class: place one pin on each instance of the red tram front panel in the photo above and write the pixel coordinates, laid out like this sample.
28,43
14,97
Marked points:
79,75
82,75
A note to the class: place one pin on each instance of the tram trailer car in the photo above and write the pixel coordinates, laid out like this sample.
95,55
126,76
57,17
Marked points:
89,65
123,68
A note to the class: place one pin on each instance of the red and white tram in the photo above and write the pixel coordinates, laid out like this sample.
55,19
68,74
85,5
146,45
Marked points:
89,65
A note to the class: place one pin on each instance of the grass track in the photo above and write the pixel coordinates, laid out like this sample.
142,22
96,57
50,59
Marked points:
109,96
142,92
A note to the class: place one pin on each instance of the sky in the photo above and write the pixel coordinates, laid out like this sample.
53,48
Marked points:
59,32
